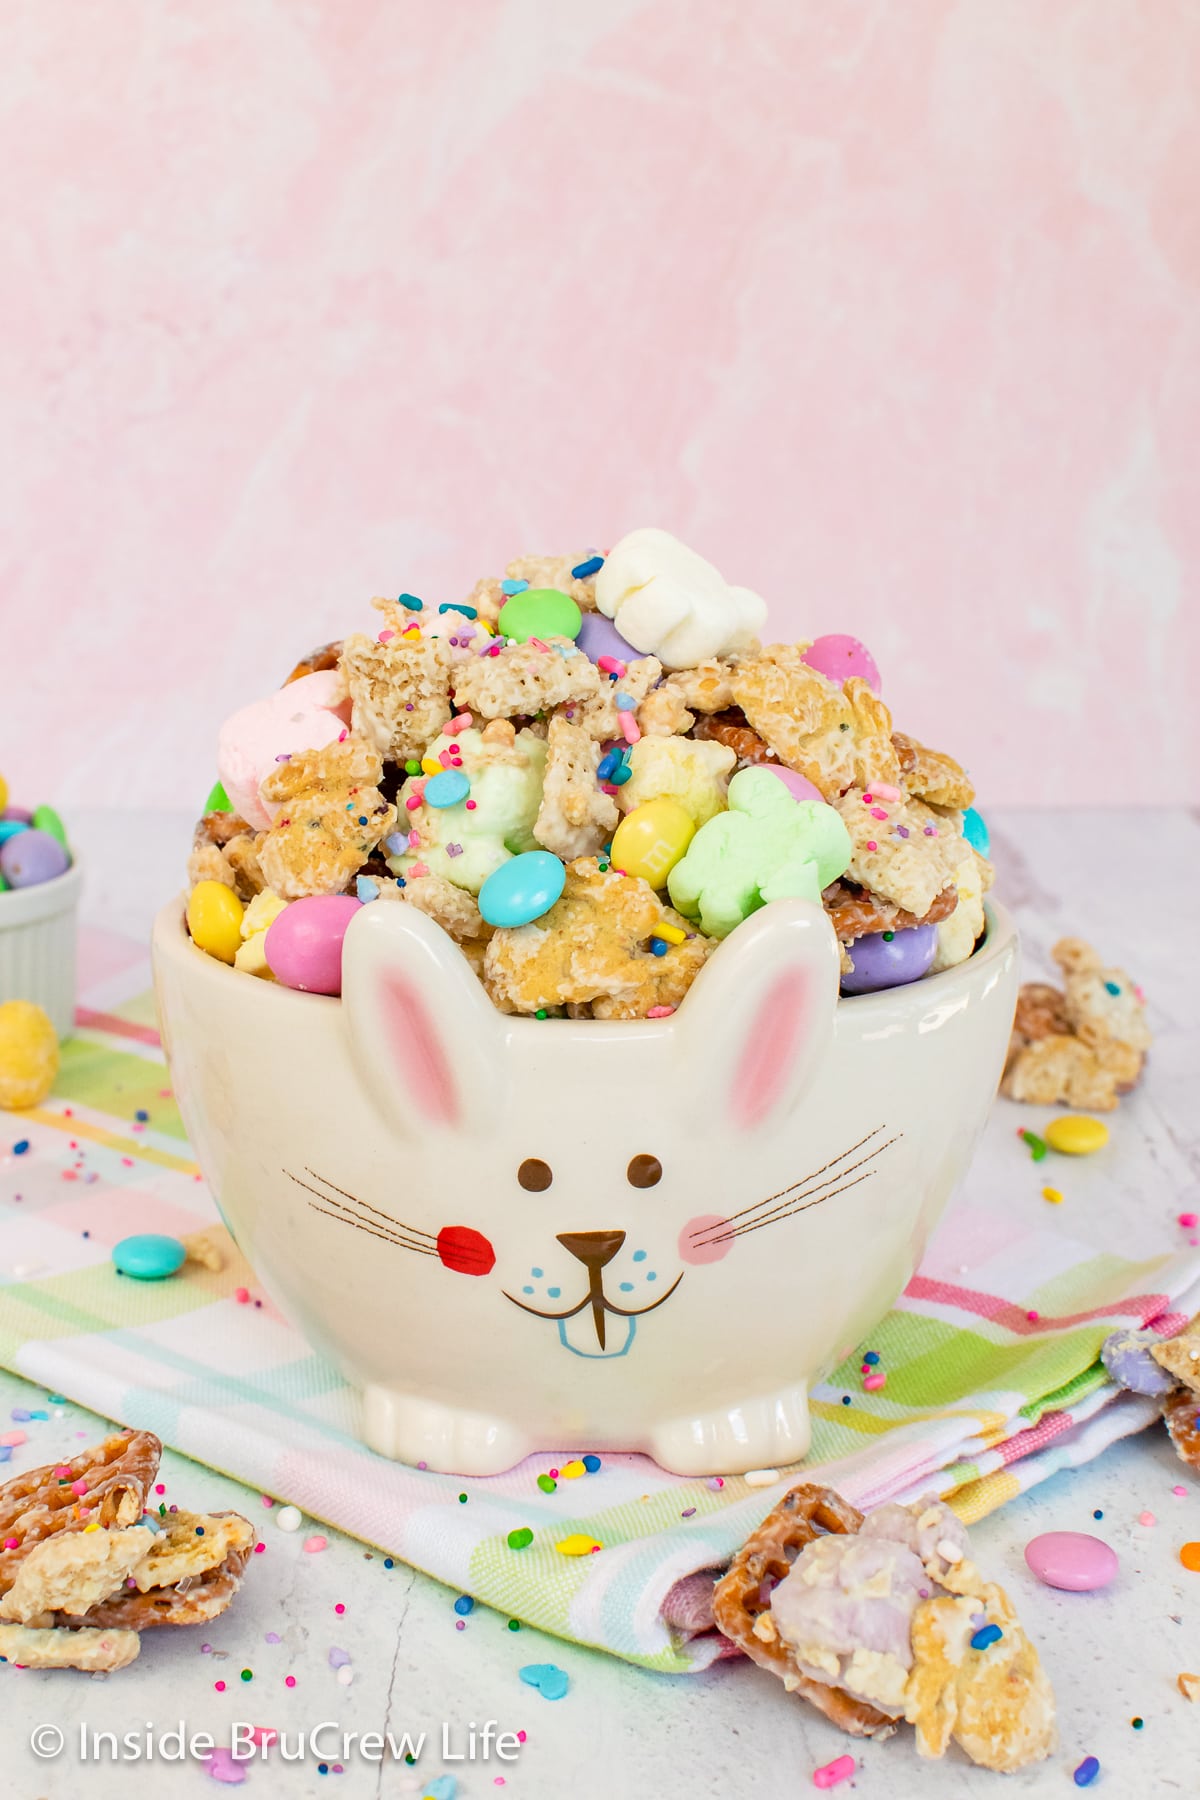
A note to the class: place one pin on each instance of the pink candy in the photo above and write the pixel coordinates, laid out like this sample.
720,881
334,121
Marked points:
304,944
834,1773
1071,1559
839,657
797,786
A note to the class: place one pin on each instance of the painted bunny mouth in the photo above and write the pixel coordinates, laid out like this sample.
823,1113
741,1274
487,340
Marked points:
595,1249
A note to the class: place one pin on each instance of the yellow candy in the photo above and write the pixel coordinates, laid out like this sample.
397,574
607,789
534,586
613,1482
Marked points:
1076,1134
431,765
572,1469
651,839
671,934
576,1545
1052,1195
214,916
28,1054
3,793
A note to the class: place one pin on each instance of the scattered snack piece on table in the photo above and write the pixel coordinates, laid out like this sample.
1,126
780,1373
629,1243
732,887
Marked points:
85,1566
28,1054
1083,1044
886,1618
1165,1369
614,710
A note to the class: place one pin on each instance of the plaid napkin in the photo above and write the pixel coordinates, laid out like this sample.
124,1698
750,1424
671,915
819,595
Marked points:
991,1361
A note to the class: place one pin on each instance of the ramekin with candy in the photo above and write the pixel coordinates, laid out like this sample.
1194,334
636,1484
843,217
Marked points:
39,891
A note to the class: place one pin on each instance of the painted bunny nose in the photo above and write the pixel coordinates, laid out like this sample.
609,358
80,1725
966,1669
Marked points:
593,1248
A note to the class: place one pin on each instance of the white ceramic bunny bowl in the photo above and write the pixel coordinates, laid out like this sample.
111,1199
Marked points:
517,1234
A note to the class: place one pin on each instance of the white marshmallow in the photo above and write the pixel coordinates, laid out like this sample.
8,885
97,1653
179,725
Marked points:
668,602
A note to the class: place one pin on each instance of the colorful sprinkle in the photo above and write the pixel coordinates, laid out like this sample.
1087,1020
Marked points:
578,1543
986,1635
521,1538
832,1774
1087,1772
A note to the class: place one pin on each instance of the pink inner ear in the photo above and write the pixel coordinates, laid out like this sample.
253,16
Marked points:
771,1044
417,1051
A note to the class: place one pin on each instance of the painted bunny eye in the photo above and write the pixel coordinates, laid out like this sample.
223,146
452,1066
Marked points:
643,1171
534,1175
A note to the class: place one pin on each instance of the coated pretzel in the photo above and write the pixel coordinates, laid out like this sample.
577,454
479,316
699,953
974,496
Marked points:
192,1601
43,1502
742,1598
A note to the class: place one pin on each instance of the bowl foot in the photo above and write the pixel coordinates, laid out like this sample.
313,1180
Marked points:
766,1433
444,1438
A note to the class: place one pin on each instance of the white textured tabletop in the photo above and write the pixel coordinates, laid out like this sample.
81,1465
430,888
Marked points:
1113,1656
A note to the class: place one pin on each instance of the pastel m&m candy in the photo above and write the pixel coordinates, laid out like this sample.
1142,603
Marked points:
28,1054
522,889
976,832
598,636
1076,1134
540,613
149,1256
446,788
31,857
303,944
46,819
887,959
651,839
214,918
1073,1560
839,657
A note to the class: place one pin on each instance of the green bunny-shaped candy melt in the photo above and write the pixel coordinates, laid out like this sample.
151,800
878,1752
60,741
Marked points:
768,846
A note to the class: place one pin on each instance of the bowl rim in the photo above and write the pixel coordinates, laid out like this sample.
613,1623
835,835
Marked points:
170,939
42,899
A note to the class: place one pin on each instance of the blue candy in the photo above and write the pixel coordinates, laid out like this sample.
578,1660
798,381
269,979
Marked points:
987,1634
1087,1771
513,587
592,1463
412,603
149,1257
550,1681
446,789
976,832
10,827
521,889
590,566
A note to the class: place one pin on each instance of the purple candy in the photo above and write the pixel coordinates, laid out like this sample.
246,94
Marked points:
304,944
598,636
22,813
31,857
840,657
887,960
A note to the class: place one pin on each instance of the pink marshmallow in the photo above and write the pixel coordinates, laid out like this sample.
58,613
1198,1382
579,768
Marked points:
305,715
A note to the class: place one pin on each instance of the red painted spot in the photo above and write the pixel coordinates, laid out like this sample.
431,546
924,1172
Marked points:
465,1251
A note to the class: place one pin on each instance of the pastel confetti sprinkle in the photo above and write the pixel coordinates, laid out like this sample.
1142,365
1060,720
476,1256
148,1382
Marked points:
578,1543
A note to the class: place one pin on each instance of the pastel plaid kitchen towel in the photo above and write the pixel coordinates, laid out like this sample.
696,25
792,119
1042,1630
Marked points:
993,1378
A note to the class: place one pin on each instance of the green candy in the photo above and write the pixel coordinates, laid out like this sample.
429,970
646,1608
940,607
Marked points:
768,846
547,1483
539,613
218,800
46,819
520,1539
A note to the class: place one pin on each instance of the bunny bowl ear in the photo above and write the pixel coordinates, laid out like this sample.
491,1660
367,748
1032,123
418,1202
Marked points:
426,1039
760,1015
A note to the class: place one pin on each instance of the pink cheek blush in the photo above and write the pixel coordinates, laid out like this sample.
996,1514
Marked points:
703,1239
839,657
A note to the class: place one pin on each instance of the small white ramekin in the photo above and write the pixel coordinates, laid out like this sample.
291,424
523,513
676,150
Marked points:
37,945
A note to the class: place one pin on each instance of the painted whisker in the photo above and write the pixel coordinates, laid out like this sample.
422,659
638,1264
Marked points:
757,1224
392,1229
386,1237
787,1197
365,1204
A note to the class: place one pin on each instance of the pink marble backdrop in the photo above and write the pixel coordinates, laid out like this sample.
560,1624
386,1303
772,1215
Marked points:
889,306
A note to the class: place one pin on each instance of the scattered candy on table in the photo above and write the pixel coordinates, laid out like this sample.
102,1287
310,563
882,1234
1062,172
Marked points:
550,1681
832,1774
149,1256
28,1054
1075,1134
1071,1559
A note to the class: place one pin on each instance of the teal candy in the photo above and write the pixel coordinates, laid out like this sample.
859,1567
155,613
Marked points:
540,613
149,1257
446,789
10,827
976,832
46,819
522,889
218,800
768,846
